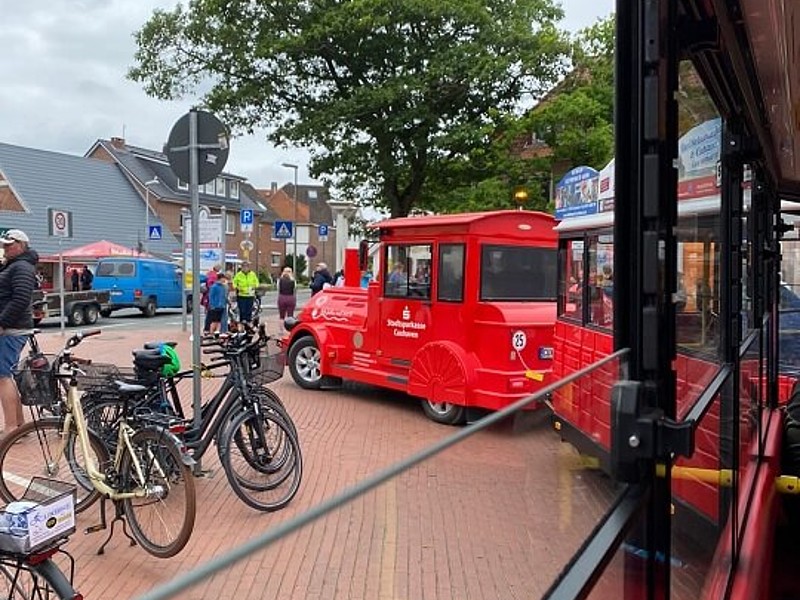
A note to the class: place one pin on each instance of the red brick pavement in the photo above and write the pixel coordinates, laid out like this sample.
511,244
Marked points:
496,517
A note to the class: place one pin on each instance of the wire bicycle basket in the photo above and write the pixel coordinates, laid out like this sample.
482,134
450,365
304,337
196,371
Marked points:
36,380
266,364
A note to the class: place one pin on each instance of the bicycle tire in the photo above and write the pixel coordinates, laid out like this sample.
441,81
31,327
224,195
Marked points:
266,434
156,451
56,580
27,452
270,401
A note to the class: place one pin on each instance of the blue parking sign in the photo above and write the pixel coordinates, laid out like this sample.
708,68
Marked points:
322,230
246,216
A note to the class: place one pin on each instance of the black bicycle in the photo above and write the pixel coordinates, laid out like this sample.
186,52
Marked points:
255,437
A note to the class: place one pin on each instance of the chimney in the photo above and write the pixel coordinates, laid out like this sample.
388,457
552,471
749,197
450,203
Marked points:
273,187
118,143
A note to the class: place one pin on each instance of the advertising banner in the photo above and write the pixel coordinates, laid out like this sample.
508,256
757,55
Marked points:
210,245
698,160
576,193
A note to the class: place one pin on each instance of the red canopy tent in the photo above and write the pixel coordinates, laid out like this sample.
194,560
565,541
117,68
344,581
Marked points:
101,249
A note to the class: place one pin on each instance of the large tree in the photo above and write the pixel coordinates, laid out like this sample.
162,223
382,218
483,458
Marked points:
380,91
572,125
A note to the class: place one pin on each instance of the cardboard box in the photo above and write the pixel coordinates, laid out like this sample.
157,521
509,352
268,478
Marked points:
52,518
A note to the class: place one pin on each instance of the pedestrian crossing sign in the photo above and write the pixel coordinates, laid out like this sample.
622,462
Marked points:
154,232
283,229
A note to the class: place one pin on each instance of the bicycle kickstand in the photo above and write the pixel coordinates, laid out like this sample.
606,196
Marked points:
118,516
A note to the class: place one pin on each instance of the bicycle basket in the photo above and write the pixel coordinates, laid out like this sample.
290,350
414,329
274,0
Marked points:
36,381
267,364
98,376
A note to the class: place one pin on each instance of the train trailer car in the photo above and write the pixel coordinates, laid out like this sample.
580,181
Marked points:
461,314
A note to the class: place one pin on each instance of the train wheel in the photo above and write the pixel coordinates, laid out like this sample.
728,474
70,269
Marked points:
445,412
304,363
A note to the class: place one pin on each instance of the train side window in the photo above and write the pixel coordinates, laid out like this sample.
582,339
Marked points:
571,279
601,281
408,271
451,273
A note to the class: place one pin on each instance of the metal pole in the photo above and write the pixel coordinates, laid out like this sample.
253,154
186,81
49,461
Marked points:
294,193
185,266
146,217
61,288
195,194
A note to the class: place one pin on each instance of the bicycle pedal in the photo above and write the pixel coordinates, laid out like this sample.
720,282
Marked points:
94,528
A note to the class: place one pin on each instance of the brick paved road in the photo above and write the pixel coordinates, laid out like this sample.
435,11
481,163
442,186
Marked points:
496,517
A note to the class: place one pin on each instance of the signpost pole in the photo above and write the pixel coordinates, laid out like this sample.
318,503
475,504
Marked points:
61,287
193,173
183,274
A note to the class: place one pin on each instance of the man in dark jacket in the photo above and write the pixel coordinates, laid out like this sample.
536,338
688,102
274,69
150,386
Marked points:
17,282
321,276
86,278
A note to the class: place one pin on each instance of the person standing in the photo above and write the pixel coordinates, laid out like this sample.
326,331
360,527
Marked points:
217,302
17,282
86,278
211,278
321,276
75,278
287,294
245,283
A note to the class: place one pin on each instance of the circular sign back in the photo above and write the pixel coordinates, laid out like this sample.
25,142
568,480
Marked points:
211,159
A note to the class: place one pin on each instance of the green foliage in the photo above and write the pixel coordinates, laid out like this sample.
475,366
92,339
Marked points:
574,122
302,263
384,92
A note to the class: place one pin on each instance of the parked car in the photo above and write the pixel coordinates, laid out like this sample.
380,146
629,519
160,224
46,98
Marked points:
144,283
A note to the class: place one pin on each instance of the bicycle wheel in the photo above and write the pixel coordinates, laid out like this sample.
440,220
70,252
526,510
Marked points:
262,460
271,402
36,450
162,520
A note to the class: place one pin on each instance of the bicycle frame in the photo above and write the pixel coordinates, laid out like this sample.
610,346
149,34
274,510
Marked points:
74,414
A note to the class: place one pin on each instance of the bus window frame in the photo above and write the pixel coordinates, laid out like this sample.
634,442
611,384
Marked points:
440,271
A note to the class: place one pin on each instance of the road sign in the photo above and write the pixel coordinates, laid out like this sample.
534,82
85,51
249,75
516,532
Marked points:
322,233
311,252
246,245
154,233
212,137
246,219
60,224
283,229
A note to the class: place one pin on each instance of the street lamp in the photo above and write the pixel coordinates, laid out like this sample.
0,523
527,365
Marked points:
294,233
147,185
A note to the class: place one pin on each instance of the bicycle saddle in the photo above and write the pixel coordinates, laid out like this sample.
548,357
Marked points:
149,359
129,388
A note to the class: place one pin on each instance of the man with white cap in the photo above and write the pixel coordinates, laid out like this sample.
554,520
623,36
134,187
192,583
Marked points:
17,282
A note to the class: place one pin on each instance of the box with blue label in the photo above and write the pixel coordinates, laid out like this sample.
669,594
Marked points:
44,514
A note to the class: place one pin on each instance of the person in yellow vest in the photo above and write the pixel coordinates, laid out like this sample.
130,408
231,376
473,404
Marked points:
245,283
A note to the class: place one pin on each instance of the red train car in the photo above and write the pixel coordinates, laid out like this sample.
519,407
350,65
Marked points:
460,314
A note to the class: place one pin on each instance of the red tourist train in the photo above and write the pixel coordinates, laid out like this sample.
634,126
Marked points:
460,314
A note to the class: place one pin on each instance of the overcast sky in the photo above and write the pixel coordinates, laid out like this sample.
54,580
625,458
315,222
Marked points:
63,86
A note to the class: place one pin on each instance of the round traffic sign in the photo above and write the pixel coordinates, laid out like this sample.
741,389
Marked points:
61,221
311,252
246,245
210,161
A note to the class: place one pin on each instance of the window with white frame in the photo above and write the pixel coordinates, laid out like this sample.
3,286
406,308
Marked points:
312,194
230,223
234,185
182,185
220,187
275,259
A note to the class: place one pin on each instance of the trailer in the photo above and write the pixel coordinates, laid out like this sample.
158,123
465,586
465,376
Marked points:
81,308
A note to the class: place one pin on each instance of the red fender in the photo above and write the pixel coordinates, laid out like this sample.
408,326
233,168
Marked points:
443,372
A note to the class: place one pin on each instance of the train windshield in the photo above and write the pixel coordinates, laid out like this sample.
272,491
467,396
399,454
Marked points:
517,273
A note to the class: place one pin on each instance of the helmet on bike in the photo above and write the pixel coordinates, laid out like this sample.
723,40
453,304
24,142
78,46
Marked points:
174,365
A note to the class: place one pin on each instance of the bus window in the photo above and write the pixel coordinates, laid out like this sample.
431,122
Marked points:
570,302
697,294
518,273
451,273
407,271
601,281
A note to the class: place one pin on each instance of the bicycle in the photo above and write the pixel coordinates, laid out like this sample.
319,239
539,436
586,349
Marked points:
255,437
149,472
